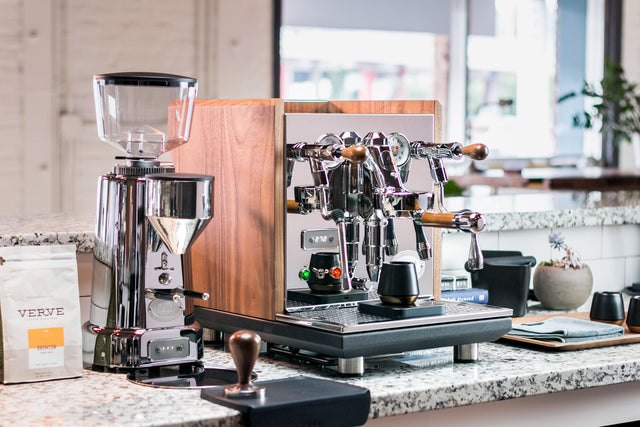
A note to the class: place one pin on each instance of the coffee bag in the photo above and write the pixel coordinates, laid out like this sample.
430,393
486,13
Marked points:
40,325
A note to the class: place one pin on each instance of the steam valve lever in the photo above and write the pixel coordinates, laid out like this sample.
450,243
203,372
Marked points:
390,241
244,346
476,259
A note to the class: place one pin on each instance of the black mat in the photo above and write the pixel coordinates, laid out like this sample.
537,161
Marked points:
306,296
419,309
299,401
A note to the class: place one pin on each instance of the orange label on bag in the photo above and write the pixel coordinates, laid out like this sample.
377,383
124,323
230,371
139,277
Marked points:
46,337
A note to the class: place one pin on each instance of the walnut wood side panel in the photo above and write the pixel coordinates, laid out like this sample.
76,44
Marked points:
239,259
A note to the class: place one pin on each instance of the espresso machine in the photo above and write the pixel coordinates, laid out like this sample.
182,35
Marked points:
147,218
317,203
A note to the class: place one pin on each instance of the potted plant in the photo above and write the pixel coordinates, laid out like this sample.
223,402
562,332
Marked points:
616,108
563,284
617,105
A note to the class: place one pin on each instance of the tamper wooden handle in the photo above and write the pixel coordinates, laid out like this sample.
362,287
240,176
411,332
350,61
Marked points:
244,346
356,154
475,151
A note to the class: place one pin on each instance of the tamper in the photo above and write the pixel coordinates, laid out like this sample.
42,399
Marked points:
299,400
244,346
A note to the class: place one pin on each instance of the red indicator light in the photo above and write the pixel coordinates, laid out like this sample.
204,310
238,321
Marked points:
336,273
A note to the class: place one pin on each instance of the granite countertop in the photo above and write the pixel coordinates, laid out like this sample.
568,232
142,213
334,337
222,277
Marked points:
56,229
552,209
502,212
503,372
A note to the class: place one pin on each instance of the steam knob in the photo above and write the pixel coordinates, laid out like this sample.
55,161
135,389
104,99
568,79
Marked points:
475,151
244,346
357,154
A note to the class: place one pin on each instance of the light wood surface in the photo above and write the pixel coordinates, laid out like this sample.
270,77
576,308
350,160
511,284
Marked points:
628,337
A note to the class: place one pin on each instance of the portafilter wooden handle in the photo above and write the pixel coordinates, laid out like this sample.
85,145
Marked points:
355,154
475,151
440,220
464,220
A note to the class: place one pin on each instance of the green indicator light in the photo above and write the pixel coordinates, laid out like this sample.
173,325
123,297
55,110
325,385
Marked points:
304,274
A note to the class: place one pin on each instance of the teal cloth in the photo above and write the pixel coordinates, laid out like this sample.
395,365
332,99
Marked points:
566,329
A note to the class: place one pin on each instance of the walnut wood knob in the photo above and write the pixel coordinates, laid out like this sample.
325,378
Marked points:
475,151
356,154
244,346
293,206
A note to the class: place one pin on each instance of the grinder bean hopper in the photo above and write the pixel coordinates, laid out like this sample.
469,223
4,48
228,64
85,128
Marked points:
147,218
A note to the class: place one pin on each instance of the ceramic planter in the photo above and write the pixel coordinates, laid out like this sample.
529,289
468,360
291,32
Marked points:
562,289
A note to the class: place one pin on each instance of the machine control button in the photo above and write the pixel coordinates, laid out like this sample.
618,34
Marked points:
168,348
164,278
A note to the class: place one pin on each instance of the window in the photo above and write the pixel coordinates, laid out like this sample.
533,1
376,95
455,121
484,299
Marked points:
497,66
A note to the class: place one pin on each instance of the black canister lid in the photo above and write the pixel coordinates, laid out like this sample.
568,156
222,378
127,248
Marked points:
180,177
144,79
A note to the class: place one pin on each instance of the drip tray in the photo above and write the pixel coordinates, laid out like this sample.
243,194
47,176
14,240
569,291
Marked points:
343,331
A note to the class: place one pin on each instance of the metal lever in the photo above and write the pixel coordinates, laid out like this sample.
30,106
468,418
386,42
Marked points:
175,294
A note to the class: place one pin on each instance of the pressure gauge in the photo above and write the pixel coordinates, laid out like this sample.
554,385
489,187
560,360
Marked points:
331,139
400,148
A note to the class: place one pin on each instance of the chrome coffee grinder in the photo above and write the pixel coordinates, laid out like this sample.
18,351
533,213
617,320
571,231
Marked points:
147,218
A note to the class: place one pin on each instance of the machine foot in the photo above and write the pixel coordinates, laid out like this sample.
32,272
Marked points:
351,366
465,353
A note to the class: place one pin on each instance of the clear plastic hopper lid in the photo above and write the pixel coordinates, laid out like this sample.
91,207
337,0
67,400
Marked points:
144,114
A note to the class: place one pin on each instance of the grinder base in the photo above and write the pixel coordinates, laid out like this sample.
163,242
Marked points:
188,375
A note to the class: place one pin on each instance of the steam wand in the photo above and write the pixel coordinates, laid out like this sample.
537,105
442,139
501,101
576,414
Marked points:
435,153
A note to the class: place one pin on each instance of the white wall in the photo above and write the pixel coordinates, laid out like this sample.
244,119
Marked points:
612,252
49,51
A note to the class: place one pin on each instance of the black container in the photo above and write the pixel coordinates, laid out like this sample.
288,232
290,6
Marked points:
607,307
506,275
320,278
398,284
633,314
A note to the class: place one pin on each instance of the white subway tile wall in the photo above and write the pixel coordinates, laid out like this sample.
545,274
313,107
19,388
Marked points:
533,243
632,270
455,248
621,241
85,270
608,274
586,240
612,252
